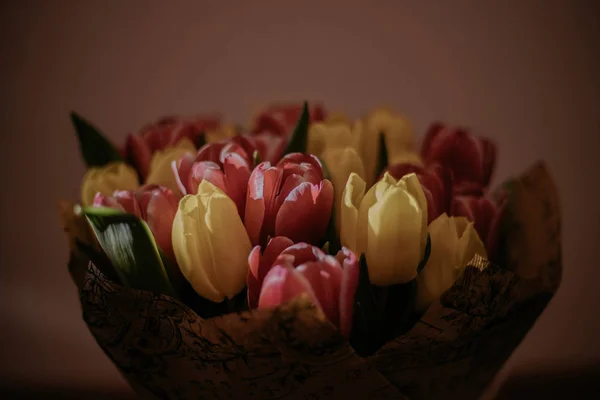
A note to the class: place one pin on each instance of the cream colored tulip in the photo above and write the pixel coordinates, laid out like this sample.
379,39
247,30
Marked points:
322,136
388,224
211,244
161,172
221,133
398,133
340,163
454,242
113,176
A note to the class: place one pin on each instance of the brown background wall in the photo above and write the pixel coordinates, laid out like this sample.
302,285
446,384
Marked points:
522,72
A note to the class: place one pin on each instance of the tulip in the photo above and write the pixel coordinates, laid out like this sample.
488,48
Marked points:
290,199
226,165
167,132
210,243
485,214
470,159
270,147
113,176
154,204
388,224
287,270
454,242
322,136
399,139
436,182
341,162
161,172
280,119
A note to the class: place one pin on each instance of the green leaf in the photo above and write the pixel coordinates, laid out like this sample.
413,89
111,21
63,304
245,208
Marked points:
382,159
96,150
130,247
426,255
256,158
299,139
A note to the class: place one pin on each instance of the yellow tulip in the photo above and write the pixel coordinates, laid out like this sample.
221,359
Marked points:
406,158
211,244
454,242
322,136
340,163
398,133
224,132
388,224
337,118
113,176
161,172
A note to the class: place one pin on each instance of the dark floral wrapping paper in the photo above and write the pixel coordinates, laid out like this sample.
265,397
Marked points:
166,351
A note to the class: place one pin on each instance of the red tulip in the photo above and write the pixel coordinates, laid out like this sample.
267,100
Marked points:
470,159
436,182
287,270
280,119
485,215
270,147
156,205
290,199
166,132
226,165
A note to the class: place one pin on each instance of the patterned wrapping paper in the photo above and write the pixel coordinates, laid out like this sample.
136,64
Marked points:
165,350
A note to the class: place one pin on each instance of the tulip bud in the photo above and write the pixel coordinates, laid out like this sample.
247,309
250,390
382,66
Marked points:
436,182
287,270
470,159
454,242
211,244
388,224
154,204
161,172
341,162
399,139
113,176
290,199
485,215
323,136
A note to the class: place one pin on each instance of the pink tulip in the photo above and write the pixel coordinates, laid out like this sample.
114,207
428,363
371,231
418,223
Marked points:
287,270
485,215
436,182
156,205
226,165
280,119
470,159
290,199
166,132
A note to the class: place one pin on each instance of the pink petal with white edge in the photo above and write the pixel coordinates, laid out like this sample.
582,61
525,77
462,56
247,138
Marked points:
305,213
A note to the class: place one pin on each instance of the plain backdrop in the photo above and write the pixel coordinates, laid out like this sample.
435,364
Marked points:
522,72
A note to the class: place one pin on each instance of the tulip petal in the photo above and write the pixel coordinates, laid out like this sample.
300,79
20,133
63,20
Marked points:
413,186
303,253
263,185
182,170
323,286
237,173
192,248
229,243
128,202
160,214
394,231
304,214
352,198
139,153
283,284
348,287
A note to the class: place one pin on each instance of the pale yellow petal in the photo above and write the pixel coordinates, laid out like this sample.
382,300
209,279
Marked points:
230,244
413,186
469,245
107,179
402,157
161,172
394,234
439,273
192,248
352,196
316,138
336,118
341,162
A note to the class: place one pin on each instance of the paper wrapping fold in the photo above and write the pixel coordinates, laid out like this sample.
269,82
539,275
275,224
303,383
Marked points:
166,351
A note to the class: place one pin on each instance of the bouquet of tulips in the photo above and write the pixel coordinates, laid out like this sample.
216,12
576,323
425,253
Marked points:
308,255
